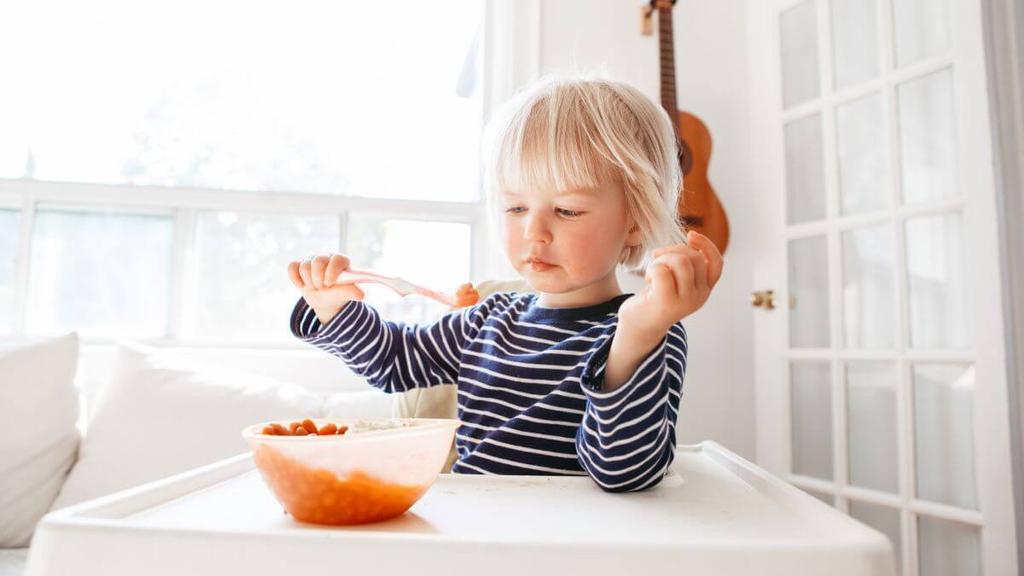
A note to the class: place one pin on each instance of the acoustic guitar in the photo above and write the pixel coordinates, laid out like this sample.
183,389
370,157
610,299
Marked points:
698,208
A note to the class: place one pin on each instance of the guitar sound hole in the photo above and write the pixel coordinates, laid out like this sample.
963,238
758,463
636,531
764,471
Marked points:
685,157
690,220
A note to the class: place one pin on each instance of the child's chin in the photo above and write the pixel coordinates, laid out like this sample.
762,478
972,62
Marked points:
549,285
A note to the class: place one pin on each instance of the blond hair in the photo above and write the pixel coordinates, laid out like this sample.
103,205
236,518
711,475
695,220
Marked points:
569,133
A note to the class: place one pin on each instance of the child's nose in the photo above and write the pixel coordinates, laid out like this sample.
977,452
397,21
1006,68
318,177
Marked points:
536,229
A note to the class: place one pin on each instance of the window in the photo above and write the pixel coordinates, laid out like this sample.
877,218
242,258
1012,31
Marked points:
169,162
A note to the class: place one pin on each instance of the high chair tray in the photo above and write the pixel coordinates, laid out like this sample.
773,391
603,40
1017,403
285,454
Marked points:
714,514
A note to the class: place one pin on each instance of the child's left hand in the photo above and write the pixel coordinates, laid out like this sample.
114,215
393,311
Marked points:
679,281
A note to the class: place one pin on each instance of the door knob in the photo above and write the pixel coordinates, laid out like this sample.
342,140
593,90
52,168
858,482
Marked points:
763,299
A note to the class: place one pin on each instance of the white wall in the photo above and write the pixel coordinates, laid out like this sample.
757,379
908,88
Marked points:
604,36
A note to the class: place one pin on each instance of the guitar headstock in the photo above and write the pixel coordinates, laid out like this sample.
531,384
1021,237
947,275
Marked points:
648,11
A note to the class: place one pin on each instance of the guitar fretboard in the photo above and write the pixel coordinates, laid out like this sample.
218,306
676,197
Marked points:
667,60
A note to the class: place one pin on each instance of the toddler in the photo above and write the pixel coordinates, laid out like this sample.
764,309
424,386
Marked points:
579,378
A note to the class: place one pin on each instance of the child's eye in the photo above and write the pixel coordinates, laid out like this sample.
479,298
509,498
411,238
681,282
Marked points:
568,213
515,210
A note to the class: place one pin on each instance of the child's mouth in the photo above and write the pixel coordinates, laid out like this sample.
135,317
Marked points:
539,265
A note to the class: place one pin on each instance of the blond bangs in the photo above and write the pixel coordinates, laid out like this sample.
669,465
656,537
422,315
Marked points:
550,145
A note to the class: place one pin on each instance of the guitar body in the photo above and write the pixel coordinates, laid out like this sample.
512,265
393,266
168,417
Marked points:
699,208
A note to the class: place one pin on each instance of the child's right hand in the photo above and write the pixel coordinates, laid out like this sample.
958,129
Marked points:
315,277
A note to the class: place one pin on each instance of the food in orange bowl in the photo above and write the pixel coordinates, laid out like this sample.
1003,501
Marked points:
342,472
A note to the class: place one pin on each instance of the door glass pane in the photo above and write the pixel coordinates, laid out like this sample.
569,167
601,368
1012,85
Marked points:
871,420
811,419
100,273
10,231
935,279
433,254
863,153
825,498
869,288
948,548
885,520
928,138
250,252
805,172
922,29
944,433
855,41
808,291
798,31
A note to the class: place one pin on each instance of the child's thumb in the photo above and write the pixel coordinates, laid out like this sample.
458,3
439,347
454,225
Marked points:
349,291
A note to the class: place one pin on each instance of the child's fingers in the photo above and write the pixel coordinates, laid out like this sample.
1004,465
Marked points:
680,263
682,268
663,283
317,266
711,253
304,273
700,271
293,274
338,264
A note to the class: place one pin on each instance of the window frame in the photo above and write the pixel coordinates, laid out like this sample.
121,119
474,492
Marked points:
184,204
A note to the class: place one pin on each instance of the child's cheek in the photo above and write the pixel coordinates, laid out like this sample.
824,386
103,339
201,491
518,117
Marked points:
513,238
595,252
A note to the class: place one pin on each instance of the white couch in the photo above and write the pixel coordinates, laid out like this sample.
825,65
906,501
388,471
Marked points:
135,414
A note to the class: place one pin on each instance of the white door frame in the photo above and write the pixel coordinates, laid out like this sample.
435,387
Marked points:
979,208
1004,34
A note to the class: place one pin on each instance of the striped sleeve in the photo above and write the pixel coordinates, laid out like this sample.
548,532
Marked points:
392,356
627,439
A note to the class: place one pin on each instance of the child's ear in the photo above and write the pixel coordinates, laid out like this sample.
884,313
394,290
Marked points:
633,238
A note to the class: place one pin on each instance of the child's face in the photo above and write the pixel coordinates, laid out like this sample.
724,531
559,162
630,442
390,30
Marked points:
568,243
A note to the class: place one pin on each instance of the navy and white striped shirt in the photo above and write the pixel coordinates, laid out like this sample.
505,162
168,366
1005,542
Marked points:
529,384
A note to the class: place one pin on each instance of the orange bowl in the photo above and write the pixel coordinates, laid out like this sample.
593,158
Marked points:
375,471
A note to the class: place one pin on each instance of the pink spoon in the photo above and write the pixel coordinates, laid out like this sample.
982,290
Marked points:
399,285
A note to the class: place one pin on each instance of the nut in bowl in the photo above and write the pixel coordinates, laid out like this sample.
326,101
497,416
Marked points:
350,471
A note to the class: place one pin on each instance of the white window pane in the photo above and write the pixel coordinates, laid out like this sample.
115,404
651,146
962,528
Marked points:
944,433
432,254
100,273
869,287
885,520
863,165
935,278
10,230
928,138
811,418
242,286
922,29
871,423
318,97
948,548
855,41
798,33
808,291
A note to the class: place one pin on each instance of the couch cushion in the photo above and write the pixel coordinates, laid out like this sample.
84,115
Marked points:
38,437
161,415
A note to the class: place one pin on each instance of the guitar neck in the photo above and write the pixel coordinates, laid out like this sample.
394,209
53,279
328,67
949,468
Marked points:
667,60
